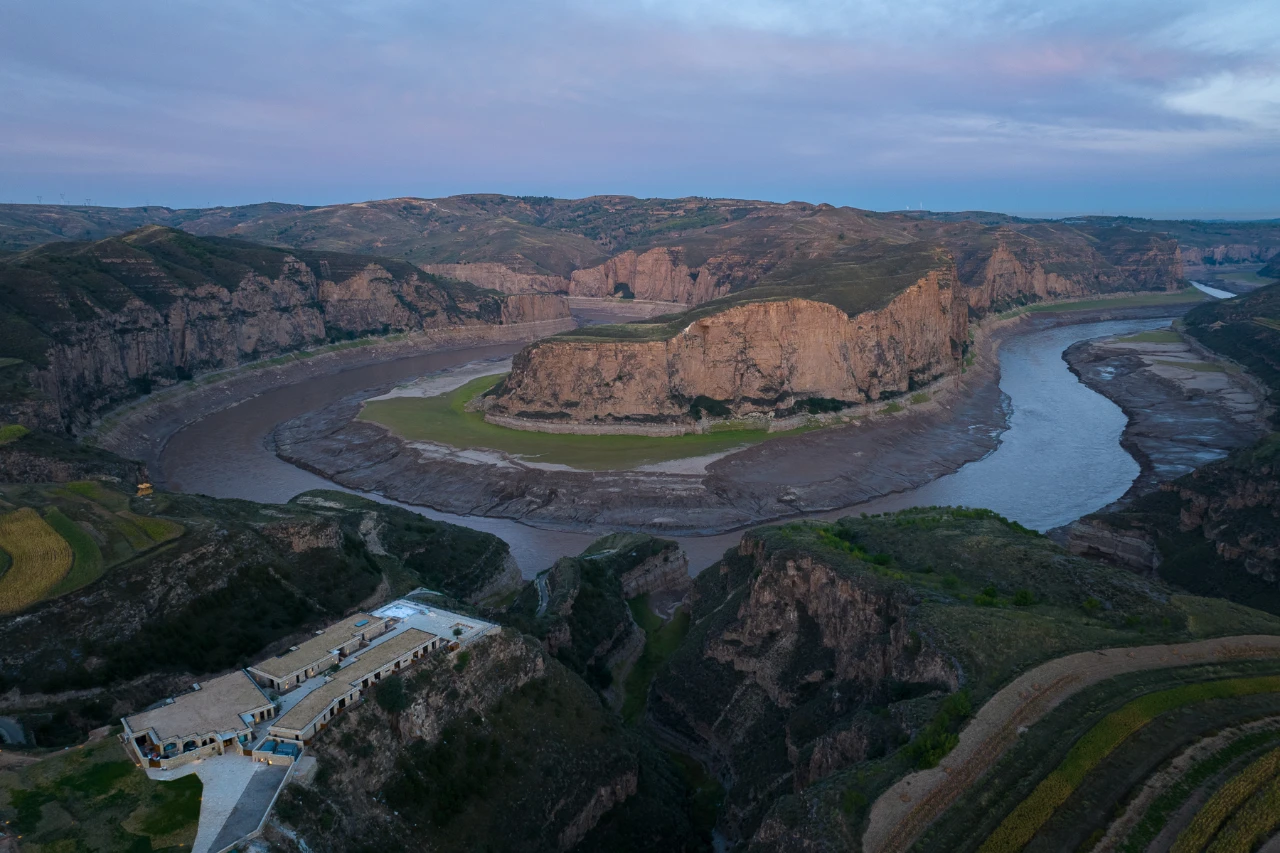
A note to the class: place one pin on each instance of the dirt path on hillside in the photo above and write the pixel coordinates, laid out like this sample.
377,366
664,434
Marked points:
904,811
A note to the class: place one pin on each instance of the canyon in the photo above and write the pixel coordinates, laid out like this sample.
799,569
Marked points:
101,323
823,660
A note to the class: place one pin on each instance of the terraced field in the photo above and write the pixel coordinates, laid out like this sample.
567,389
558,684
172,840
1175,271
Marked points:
57,539
39,559
1062,699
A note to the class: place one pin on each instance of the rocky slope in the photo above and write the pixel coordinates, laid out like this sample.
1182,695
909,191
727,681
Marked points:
495,747
818,650
105,321
861,324
761,356
170,588
578,608
1216,530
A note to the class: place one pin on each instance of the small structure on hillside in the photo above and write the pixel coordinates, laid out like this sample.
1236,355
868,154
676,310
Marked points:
214,717
144,490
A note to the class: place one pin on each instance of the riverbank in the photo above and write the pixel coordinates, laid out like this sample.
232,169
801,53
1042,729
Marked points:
141,430
882,454
1186,406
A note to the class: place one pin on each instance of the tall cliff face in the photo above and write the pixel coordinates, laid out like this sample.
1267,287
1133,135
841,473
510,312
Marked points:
658,274
756,357
500,749
104,321
822,659
787,655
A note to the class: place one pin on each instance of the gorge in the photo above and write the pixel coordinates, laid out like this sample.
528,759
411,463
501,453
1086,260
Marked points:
923,363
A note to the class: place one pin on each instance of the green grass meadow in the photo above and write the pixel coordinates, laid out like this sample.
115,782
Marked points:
94,799
444,419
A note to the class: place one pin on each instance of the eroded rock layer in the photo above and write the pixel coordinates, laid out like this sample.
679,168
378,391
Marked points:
101,322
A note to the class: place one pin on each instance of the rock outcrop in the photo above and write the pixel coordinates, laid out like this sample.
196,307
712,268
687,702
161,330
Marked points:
496,276
1134,549
755,357
477,750
110,320
658,274
666,570
787,651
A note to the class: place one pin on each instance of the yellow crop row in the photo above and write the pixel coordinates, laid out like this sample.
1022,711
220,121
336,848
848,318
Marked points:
1254,822
1225,801
41,558
1022,824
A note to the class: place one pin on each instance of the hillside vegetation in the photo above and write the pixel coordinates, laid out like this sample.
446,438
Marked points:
97,323
857,650
95,799
147,593
1217,530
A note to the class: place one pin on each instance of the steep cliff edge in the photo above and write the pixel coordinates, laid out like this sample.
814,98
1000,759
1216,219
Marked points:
823,325
756,357
496,747
102,322
818,650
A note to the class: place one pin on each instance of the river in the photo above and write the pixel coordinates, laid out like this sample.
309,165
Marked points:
1059,459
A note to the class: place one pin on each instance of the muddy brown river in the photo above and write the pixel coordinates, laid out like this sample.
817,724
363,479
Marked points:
1058,459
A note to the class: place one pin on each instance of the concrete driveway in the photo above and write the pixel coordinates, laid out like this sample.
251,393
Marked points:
237,793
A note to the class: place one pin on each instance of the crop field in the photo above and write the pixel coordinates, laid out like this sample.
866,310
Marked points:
1017,830
1071,737
1226,801
40,559
78,530
156,529
443,419
1159,811
87,565
94,798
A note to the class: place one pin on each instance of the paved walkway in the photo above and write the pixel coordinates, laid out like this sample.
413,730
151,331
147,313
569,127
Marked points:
228,782
251,808
904,811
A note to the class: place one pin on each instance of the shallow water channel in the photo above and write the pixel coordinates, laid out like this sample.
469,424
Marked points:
1059,459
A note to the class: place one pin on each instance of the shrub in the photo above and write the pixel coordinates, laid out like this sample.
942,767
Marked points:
12,432
1023,598
932,744
464,658
391,695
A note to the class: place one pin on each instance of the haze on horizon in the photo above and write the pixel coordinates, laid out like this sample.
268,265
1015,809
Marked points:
1165,109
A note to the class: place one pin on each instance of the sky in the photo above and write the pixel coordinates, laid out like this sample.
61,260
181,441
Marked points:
1139,107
